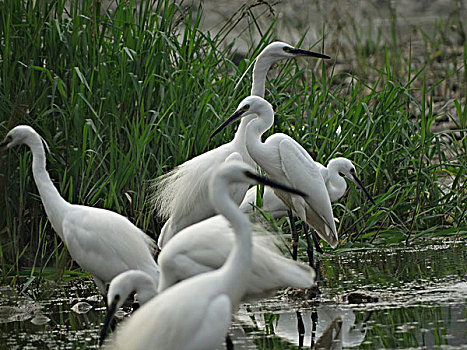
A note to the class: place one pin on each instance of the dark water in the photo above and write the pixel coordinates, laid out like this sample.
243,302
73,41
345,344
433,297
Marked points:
417,300
398,298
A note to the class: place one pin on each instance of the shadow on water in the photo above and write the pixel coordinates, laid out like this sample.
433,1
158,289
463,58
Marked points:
377,298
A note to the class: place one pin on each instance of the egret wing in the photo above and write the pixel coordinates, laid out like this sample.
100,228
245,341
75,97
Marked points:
106,244
303,174
196,249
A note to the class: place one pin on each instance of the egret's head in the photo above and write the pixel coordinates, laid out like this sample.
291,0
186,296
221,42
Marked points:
279,50
345,168
249,105
118,292
121,287
131,281
17,136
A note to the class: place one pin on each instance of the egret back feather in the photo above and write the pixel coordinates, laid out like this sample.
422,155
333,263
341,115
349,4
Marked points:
190,179
190,253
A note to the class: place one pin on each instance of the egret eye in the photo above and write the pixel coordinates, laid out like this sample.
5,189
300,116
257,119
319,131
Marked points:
246,107
286,49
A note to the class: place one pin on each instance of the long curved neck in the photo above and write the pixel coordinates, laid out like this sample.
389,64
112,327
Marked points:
55,205
260,72
145,288
256,128
239,260
335,183
241,131
258,87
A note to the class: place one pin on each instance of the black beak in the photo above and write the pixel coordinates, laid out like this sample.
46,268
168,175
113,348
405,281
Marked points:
3,145
359,183
265,181
237,115
108,319
300,52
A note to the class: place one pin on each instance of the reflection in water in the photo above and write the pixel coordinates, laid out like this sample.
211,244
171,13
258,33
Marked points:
14,313
81,308
49,322
332,336
300,328
340,332
40,320
323,327
416,298
314,323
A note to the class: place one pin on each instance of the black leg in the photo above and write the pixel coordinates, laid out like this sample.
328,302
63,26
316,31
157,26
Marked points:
113,324
316,240
367,317
228,342
309,246
294,236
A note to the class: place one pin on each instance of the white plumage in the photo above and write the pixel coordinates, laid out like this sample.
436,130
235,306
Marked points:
132,281
102,242
180,196
205,246
333,175
196,313
199,211
285,160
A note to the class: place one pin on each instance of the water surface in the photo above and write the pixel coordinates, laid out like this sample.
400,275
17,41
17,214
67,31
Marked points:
392,298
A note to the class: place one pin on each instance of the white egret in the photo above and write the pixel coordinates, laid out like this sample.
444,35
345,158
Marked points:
196,313
271,203
333,174
334,177
284,159
180,196
123,286
237,192
205,246
132,281
102,242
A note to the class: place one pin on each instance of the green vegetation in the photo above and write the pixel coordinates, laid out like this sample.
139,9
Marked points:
123,96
